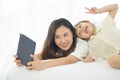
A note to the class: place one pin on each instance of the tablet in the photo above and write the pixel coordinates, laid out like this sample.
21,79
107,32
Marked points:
26,47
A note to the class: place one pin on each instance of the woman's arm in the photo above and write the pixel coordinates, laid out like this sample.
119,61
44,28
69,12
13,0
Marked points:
43,64
39,56
80,51
39,64
112,9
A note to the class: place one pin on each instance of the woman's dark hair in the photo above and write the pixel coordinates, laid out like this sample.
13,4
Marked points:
50,49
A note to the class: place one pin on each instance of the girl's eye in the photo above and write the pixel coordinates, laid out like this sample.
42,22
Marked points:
79,26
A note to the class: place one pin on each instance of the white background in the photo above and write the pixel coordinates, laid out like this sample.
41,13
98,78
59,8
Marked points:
32,18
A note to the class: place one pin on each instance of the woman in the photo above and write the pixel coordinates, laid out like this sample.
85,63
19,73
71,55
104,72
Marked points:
61,47
103,40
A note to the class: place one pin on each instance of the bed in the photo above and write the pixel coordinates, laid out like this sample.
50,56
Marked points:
26,16
98,70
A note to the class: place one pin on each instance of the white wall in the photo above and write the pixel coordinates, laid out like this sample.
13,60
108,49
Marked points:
32,18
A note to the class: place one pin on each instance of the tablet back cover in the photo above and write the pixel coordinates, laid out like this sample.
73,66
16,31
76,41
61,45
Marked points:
26,47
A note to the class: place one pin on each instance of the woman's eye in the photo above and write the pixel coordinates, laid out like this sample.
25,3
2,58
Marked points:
66,35
56,37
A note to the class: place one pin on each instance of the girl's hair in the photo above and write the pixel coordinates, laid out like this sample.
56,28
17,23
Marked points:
50,49
84,21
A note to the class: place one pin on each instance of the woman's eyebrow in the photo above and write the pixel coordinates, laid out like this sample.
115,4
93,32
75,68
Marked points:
62,34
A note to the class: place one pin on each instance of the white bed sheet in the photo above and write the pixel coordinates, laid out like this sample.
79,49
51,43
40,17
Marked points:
99,70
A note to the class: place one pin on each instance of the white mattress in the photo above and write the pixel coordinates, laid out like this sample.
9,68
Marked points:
99,70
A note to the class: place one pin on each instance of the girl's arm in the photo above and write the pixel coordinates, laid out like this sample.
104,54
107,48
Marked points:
112,9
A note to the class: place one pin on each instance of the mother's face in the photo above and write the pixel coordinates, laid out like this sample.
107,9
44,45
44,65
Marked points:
63,38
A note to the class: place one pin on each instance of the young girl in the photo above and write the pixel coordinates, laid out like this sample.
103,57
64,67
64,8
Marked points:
103,40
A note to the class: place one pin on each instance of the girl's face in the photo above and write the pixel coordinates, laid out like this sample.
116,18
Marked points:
63,38
85,30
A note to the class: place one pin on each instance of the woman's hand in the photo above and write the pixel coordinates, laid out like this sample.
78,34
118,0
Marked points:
88,59
36,64
18,62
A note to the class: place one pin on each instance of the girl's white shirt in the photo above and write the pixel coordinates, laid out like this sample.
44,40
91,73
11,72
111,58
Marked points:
81,50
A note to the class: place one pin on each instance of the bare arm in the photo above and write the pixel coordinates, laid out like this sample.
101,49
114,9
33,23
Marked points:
39,64
112,9
43,64
39,56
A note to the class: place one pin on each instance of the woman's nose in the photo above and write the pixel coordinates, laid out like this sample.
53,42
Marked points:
63,40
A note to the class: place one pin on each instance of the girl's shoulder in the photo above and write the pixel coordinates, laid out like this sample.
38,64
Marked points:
79,40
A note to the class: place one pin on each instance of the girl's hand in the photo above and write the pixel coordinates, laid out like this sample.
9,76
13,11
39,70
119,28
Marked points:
88,59
92,10
18,62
